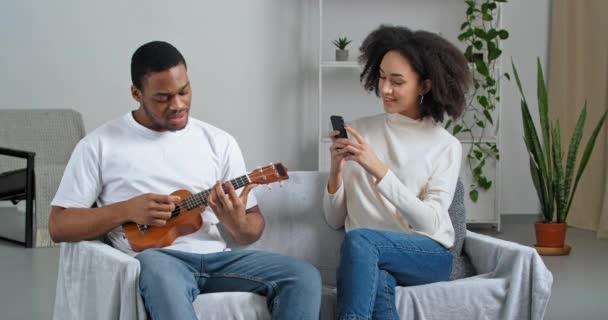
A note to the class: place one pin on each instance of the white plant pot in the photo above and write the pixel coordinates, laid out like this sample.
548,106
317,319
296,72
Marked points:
341,55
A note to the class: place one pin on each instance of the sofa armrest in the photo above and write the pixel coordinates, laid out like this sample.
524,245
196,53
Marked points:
96,281
529,280
487,253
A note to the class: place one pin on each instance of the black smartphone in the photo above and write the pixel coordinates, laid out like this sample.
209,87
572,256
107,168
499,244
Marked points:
337,122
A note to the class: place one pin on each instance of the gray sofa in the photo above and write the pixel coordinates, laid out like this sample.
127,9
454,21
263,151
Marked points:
96,281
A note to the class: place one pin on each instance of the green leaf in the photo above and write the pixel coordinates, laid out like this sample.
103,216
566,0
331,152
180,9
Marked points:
448,124
464,25
490,81
585,159
494,53
482,68
468,53
478,170
488,116
543,111
521,91
558,181
481,33
575,142
474,195
456,129
535,173
492,34
465,35
506,75
478,154
484,7
482,101
538,156
471,3
503,34
481,124
484,183
478,44
487,17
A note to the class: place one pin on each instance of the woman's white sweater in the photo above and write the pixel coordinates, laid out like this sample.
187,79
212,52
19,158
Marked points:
416,192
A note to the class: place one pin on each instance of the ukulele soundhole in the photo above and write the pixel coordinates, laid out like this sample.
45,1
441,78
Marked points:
143,227
176,211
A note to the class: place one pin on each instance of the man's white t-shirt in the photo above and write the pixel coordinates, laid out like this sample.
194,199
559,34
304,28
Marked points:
123,159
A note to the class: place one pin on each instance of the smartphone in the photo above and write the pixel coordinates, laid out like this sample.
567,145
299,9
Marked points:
337,122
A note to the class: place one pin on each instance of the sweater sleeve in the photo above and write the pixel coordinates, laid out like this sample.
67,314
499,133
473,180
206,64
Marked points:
425,214
334,207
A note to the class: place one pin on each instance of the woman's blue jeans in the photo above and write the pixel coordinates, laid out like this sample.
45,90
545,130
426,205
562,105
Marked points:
171,280
374,262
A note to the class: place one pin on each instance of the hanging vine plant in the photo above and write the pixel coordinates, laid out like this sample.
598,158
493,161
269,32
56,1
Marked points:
481,34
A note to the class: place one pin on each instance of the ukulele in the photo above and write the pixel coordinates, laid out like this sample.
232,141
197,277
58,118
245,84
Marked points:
186,217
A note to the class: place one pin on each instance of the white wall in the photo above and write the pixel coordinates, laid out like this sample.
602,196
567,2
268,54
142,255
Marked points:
252,65
528,23
247,63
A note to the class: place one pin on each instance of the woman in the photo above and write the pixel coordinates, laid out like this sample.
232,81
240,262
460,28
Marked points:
392,182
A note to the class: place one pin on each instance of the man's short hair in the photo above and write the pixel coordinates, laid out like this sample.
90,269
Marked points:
155,56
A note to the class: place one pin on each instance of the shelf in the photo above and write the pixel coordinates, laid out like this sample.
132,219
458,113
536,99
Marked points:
339,64
464,141
469,141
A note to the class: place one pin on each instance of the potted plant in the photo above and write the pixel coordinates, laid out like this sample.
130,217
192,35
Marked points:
341,52
552,176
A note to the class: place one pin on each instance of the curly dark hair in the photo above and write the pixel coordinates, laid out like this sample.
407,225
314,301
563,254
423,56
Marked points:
431,56
155,56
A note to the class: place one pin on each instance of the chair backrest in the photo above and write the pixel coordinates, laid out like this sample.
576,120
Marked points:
458,215
51,133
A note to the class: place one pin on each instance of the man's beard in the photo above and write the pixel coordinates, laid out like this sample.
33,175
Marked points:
158,123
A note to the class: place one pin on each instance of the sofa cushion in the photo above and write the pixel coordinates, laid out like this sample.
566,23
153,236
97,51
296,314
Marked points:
295,225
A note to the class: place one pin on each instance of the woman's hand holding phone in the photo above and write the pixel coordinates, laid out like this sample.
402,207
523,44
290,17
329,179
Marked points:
337,154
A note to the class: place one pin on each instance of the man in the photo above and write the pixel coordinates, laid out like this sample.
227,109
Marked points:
129,166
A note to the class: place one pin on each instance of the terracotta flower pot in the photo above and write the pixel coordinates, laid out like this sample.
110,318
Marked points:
550,235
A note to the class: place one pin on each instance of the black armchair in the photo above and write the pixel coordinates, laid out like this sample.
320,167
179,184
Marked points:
17,185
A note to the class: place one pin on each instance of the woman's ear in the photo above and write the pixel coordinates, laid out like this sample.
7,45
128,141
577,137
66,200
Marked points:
136,94
426,87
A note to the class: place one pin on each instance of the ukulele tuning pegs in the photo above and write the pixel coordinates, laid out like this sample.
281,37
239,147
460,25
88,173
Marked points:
269,187
280,184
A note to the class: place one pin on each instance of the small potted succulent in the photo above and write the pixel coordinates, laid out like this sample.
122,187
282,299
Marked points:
341,52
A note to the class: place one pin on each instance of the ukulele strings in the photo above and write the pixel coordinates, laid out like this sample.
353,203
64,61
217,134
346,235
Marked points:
252,176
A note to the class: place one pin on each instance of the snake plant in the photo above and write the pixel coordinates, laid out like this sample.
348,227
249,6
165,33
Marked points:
552,177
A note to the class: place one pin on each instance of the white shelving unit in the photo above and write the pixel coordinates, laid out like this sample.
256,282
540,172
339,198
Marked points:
486,210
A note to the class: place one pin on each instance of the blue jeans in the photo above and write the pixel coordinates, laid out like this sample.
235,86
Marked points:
373,262
171,280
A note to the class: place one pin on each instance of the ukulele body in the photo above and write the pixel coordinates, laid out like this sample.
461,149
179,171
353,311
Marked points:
185,222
